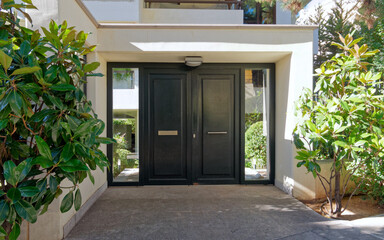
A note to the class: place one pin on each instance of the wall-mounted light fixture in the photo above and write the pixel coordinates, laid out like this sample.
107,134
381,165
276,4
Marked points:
193,61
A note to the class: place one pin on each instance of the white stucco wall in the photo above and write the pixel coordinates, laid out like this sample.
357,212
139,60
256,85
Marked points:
115,10
192,16
283,16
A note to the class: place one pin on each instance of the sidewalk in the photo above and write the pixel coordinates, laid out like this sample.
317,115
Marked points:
213,212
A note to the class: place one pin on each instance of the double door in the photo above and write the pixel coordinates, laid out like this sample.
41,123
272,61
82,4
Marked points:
191,125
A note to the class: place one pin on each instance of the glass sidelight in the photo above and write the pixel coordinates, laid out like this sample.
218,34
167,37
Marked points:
257,92
125,164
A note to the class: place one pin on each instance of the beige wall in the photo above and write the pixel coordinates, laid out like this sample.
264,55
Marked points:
50,226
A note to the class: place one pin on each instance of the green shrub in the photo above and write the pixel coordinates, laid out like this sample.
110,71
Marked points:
251,118
256,145
344,123
48,130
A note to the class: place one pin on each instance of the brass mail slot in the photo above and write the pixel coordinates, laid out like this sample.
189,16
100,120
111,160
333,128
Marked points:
167,133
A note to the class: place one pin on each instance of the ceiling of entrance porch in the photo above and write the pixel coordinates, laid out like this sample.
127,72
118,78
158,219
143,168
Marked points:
208,57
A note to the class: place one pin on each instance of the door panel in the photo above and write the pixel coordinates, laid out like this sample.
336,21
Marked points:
167,127
214,158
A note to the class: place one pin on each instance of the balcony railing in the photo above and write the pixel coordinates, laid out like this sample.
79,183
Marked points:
254,12
230,3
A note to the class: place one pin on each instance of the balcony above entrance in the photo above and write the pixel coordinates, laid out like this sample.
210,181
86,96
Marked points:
187,11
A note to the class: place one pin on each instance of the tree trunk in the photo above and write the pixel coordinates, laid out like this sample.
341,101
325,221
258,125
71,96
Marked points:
337,212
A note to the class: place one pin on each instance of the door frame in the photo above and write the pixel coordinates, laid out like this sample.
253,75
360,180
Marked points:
143,112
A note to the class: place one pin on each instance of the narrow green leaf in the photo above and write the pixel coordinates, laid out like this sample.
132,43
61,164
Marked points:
4,210
67,202
14,194
63,87
77,200
105,140
43,148
53,184
26,211
91,177
26,70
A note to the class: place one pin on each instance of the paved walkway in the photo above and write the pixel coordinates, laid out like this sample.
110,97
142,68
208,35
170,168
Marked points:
212,212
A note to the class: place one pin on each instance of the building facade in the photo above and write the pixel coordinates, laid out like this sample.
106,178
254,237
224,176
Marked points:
191,94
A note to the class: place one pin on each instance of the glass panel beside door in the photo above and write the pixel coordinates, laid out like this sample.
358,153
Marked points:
257,107
125,164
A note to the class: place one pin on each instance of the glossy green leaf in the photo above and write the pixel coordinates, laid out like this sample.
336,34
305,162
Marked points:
104,140
53,184
67,152
73,165
16,102
4,210
14,194
91,67
67,202
5,60
15,232
28,191
3,123
26,211
43,162
23,169
43,148
77,200
40,116
84,128
26,70
63,87
9,172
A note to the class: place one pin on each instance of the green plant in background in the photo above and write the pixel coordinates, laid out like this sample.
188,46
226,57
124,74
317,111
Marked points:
126,121
255,145
121,155
251,118
343,123
48,131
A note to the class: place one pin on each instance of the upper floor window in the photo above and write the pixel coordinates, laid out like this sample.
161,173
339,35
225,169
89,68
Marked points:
259,13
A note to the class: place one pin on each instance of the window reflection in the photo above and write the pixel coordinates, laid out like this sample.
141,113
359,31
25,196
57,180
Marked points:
125,125
256,124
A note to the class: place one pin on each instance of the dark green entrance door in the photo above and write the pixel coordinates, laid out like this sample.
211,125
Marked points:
214,155
192,122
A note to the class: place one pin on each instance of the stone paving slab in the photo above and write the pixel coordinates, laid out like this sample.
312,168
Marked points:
212,212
